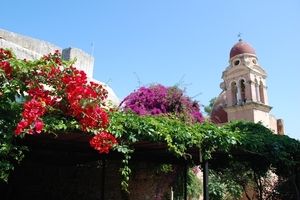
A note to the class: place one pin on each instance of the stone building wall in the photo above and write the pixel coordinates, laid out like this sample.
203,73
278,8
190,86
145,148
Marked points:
84,61
26,47
31,48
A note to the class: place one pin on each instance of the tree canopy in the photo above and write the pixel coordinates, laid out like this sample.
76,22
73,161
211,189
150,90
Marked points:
208,108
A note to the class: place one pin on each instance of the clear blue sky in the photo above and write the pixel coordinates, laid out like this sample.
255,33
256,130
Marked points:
166,41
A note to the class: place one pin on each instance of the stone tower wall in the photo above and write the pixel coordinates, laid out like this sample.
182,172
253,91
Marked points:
84,61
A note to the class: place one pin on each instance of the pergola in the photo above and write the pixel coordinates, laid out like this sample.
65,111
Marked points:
144,151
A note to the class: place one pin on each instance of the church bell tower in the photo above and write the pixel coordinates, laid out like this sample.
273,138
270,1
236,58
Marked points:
245,86
244,91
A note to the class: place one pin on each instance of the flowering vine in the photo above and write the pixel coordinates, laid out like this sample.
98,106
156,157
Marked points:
51,86
168,101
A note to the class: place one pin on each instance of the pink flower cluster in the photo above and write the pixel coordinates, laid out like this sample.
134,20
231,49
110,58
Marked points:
158,99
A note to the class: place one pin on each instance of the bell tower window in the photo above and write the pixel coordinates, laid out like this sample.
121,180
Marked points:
236,62
242,86
234,93
261,92
257,90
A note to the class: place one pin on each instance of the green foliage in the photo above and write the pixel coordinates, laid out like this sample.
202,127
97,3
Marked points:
224,185
194,184
280,151
217,189
56,124
208,108
177,135
258,153
10,152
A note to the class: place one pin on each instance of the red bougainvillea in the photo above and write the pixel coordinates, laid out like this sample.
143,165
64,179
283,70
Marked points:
31,122
50,86
103,142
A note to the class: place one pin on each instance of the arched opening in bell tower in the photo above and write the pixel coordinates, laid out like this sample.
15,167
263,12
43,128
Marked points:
242,89
257,90
234,93
261,92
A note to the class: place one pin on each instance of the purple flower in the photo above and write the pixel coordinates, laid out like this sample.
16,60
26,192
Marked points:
158,99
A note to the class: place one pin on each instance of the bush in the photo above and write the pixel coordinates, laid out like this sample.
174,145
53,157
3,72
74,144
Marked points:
169,101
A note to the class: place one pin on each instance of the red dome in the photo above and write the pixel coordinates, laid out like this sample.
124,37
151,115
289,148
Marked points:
240,48
218,114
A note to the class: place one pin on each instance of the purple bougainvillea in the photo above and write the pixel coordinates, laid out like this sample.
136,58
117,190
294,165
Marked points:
169,101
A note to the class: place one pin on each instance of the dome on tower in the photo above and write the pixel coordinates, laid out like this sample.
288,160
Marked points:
240,48
218,114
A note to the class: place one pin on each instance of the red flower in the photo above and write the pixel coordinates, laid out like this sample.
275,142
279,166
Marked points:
103,142
38,125
21,126
6,67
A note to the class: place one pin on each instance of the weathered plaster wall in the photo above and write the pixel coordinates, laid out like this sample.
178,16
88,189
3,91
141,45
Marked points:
25,47
30,48
84,61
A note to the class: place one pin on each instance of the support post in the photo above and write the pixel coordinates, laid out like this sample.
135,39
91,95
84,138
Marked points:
103,179
205,180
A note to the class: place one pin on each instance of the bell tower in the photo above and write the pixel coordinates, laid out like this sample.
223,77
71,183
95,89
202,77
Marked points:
245,86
